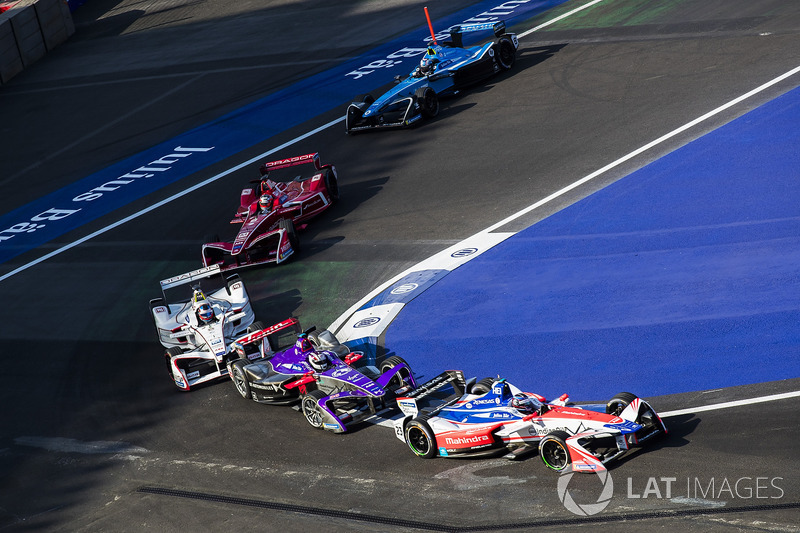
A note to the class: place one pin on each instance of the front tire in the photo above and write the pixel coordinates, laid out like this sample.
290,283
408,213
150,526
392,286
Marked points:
311,408
619,402
240,378
332,186
168,355
428,102
288,225
420,438
554,451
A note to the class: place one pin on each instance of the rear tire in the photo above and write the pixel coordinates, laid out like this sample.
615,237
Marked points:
505,54
398,380
420,438
554,451
312,410
482,387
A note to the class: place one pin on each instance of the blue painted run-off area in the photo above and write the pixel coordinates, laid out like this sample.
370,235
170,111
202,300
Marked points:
41,221
683,276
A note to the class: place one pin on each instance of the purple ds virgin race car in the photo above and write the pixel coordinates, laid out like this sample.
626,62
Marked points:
320,373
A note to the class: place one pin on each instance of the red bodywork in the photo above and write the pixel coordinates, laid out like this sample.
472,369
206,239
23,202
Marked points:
268,236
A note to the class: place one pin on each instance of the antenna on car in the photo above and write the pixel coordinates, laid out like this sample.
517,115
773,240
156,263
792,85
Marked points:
430,26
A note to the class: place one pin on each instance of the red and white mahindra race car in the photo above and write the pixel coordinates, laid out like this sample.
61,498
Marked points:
493,416
272,211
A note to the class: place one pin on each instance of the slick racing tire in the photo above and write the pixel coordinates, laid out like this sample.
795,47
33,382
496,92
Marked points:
482,387
505,54
554,451
619,402
288,225
428,102
398,380
420,439
312,410
255,326
332,185
239,378
356,110
168,355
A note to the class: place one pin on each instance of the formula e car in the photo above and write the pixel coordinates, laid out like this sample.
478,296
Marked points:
271,212
318,372
444,70
493,416
199,314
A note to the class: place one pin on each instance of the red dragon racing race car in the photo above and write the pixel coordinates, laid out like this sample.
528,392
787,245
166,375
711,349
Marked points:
493,416
272,212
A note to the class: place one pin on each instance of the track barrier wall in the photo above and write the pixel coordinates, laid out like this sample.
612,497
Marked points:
28,30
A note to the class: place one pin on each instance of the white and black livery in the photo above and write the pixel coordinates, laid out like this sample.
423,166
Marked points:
198,316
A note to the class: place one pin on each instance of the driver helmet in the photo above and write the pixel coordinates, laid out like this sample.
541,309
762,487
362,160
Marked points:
265,202
525,404
318,361
428,62
205,313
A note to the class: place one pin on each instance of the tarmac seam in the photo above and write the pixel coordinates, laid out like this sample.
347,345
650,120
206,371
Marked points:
349,515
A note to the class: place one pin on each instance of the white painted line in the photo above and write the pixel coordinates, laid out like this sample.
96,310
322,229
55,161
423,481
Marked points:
170,199
727,405
339,321
565,15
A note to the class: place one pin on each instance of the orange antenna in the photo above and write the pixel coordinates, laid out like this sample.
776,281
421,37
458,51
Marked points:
430,26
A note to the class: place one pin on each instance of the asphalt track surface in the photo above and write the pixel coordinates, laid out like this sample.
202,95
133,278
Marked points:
94,438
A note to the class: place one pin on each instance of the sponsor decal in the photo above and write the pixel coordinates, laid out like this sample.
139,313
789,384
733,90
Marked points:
366,322
487,401
291,161
339,372
405,288
398,57
406,404
331,426
443,452
193,375
468,441
160,309
55,214
464,252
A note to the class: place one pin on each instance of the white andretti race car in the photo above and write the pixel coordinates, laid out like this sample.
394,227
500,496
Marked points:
493,416
197,318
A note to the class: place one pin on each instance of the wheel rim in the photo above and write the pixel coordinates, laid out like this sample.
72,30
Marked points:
240,381
418,441
312,412
554,455
617,408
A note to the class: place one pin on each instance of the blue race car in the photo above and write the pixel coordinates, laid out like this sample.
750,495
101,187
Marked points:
444,70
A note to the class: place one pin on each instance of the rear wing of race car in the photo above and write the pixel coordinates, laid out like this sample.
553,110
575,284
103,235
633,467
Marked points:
290,162
256,336
457,32
455,378
189,277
